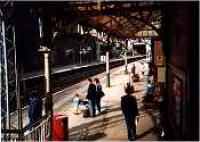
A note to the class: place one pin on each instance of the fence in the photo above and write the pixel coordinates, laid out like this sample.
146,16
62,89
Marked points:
39,133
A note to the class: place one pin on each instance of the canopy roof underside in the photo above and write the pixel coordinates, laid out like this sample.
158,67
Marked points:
121,19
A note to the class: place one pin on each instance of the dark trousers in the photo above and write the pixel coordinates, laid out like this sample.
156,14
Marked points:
131,127
31,122
98,103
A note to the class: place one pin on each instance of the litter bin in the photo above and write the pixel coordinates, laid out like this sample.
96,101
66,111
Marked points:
60,127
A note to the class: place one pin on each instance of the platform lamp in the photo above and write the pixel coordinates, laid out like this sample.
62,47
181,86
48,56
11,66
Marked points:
47,72
133,67
49,102
107,62
125,57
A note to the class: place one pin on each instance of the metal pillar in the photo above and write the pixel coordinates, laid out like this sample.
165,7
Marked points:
125,58
133,67
9,84
98,48
126,63
133,52
1,59
40,27
4,79
46,52
49,103
73,56
47,73
19,106
98,51
80,52
107,70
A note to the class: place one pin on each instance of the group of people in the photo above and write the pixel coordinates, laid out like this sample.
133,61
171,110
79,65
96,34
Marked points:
94,95
150,85
128,104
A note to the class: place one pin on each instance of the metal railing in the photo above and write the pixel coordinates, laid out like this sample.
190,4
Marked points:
40,132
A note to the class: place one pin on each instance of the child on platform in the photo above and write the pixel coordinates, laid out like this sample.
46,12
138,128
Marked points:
76,101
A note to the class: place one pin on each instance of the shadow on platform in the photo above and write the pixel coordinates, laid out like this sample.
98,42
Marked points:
95,136
95,129
145,133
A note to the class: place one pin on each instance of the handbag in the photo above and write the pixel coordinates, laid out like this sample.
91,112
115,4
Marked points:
102,94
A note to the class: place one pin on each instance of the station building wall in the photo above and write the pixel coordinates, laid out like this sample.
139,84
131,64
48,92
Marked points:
181,48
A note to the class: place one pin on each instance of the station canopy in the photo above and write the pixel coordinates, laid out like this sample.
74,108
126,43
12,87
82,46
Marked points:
120,19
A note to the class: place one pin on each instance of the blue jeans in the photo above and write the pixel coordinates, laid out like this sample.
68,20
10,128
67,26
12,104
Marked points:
31,122
92,107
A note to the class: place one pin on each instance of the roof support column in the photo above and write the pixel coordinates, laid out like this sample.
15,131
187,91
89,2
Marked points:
9,84
4,81
49,103
45,31
107,65
107,70
98,48
125,58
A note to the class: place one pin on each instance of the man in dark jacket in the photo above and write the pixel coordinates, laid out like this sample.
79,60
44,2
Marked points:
34,109
130,111
91,96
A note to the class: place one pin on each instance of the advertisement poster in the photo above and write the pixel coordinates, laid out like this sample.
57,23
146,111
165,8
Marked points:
161,74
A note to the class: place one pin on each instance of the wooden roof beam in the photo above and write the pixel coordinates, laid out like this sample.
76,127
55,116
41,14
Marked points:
102,27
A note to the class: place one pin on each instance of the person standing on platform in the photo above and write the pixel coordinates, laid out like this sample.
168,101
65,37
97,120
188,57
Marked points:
130,112
34,109
91,96
133,69
99,95
149,91
150,68
143,68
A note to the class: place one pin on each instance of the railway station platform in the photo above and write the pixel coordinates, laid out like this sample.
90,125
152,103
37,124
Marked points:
110,125
104,127
48,50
